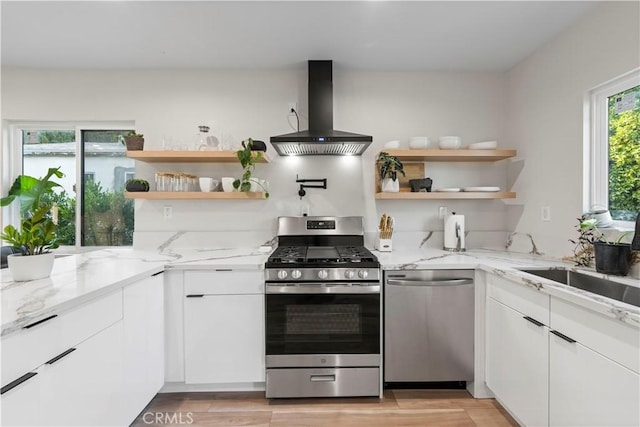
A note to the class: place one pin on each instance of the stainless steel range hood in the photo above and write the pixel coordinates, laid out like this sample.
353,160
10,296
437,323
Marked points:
321,138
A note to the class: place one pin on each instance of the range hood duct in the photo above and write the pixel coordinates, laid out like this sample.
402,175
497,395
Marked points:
321,139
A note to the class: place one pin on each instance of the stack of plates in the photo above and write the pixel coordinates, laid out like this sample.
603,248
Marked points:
481,189
487,145
449,190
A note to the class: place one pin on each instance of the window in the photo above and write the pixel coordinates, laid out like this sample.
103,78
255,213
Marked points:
615,147
104,217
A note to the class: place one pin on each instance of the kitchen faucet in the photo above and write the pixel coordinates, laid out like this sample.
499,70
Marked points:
534,249
635,244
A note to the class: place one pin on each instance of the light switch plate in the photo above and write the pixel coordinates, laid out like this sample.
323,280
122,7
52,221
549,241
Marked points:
545,213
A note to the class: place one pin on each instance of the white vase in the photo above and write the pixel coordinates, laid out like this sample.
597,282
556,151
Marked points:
390,186
30,267
634,271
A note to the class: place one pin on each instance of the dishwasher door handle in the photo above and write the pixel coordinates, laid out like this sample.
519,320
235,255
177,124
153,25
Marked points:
443,282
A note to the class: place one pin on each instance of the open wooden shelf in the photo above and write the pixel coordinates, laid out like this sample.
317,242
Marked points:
405,195
228,156
437,155
178,195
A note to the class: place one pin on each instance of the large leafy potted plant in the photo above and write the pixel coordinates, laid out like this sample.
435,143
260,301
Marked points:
388,168
37,233
248,162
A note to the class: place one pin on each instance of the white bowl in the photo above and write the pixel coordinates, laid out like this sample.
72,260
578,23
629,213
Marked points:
418,142
392,144
486,145
450,142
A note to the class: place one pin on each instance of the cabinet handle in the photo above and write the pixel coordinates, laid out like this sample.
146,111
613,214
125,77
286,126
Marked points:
60,356
39,321
157,274
195,295
17,382
532,320
563,336
322,378
224,269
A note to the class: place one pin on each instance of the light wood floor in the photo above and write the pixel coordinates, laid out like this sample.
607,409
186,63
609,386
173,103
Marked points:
399,408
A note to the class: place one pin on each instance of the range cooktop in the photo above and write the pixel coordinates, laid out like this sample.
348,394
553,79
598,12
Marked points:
322,255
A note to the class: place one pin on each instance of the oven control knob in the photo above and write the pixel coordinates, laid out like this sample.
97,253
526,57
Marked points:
323,274
296,274
349,274
282,274
363,274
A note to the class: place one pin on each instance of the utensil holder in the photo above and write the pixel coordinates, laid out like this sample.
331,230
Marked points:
383,245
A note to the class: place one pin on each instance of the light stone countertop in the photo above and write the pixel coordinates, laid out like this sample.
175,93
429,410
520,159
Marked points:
80,278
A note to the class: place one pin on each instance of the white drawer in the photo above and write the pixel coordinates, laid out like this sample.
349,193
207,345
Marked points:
618,341
224,282
31,347
529,302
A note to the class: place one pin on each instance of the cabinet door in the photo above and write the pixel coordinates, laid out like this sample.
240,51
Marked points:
586,388
85,386
21,404
224,339
517,360
143,343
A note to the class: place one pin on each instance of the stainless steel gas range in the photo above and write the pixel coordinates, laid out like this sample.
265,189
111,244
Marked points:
323,310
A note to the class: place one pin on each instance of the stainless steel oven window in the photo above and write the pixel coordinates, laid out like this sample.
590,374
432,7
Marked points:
323,319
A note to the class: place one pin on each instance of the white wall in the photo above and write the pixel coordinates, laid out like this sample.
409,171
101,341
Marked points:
545,96
253,103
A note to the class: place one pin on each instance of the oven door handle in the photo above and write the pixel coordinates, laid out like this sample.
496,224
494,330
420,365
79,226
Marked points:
444,282
328,288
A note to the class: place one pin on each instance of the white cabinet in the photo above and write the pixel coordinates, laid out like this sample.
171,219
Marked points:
143,343
224,327
21,403
85,386
552,362
587,389
592,361
517,362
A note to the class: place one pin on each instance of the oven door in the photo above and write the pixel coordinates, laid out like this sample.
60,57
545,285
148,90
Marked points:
333,325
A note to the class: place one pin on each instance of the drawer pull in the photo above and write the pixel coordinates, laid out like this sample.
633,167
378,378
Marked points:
532,320
195,295
224,269
563,336
39,321
322,378
17,382
60,356
157,274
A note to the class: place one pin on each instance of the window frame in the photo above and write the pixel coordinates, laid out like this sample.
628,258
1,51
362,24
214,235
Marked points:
13,152
598,138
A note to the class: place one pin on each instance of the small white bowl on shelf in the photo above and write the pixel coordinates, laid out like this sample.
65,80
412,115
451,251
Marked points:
450,142
392,144
418,142
486,145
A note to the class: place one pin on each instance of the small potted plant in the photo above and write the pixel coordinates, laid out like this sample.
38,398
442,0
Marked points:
38,221
134,141
388,169
612,257
137,185
248,162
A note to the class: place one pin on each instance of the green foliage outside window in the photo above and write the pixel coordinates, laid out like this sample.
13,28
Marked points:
624,160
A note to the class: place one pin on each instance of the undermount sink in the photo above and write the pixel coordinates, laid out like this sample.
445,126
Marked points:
604,287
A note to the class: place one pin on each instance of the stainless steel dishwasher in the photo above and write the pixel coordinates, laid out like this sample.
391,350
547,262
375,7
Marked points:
429,323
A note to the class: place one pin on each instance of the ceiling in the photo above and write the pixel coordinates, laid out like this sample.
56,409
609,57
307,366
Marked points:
361,35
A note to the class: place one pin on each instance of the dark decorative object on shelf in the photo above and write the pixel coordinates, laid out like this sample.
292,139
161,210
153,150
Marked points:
258,145
137,185
418,184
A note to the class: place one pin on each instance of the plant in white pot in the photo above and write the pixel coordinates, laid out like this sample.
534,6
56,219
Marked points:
38,221
388,169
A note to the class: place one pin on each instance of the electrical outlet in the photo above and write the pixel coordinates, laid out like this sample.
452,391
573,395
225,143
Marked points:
442,212
292,106
545,213
168,212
